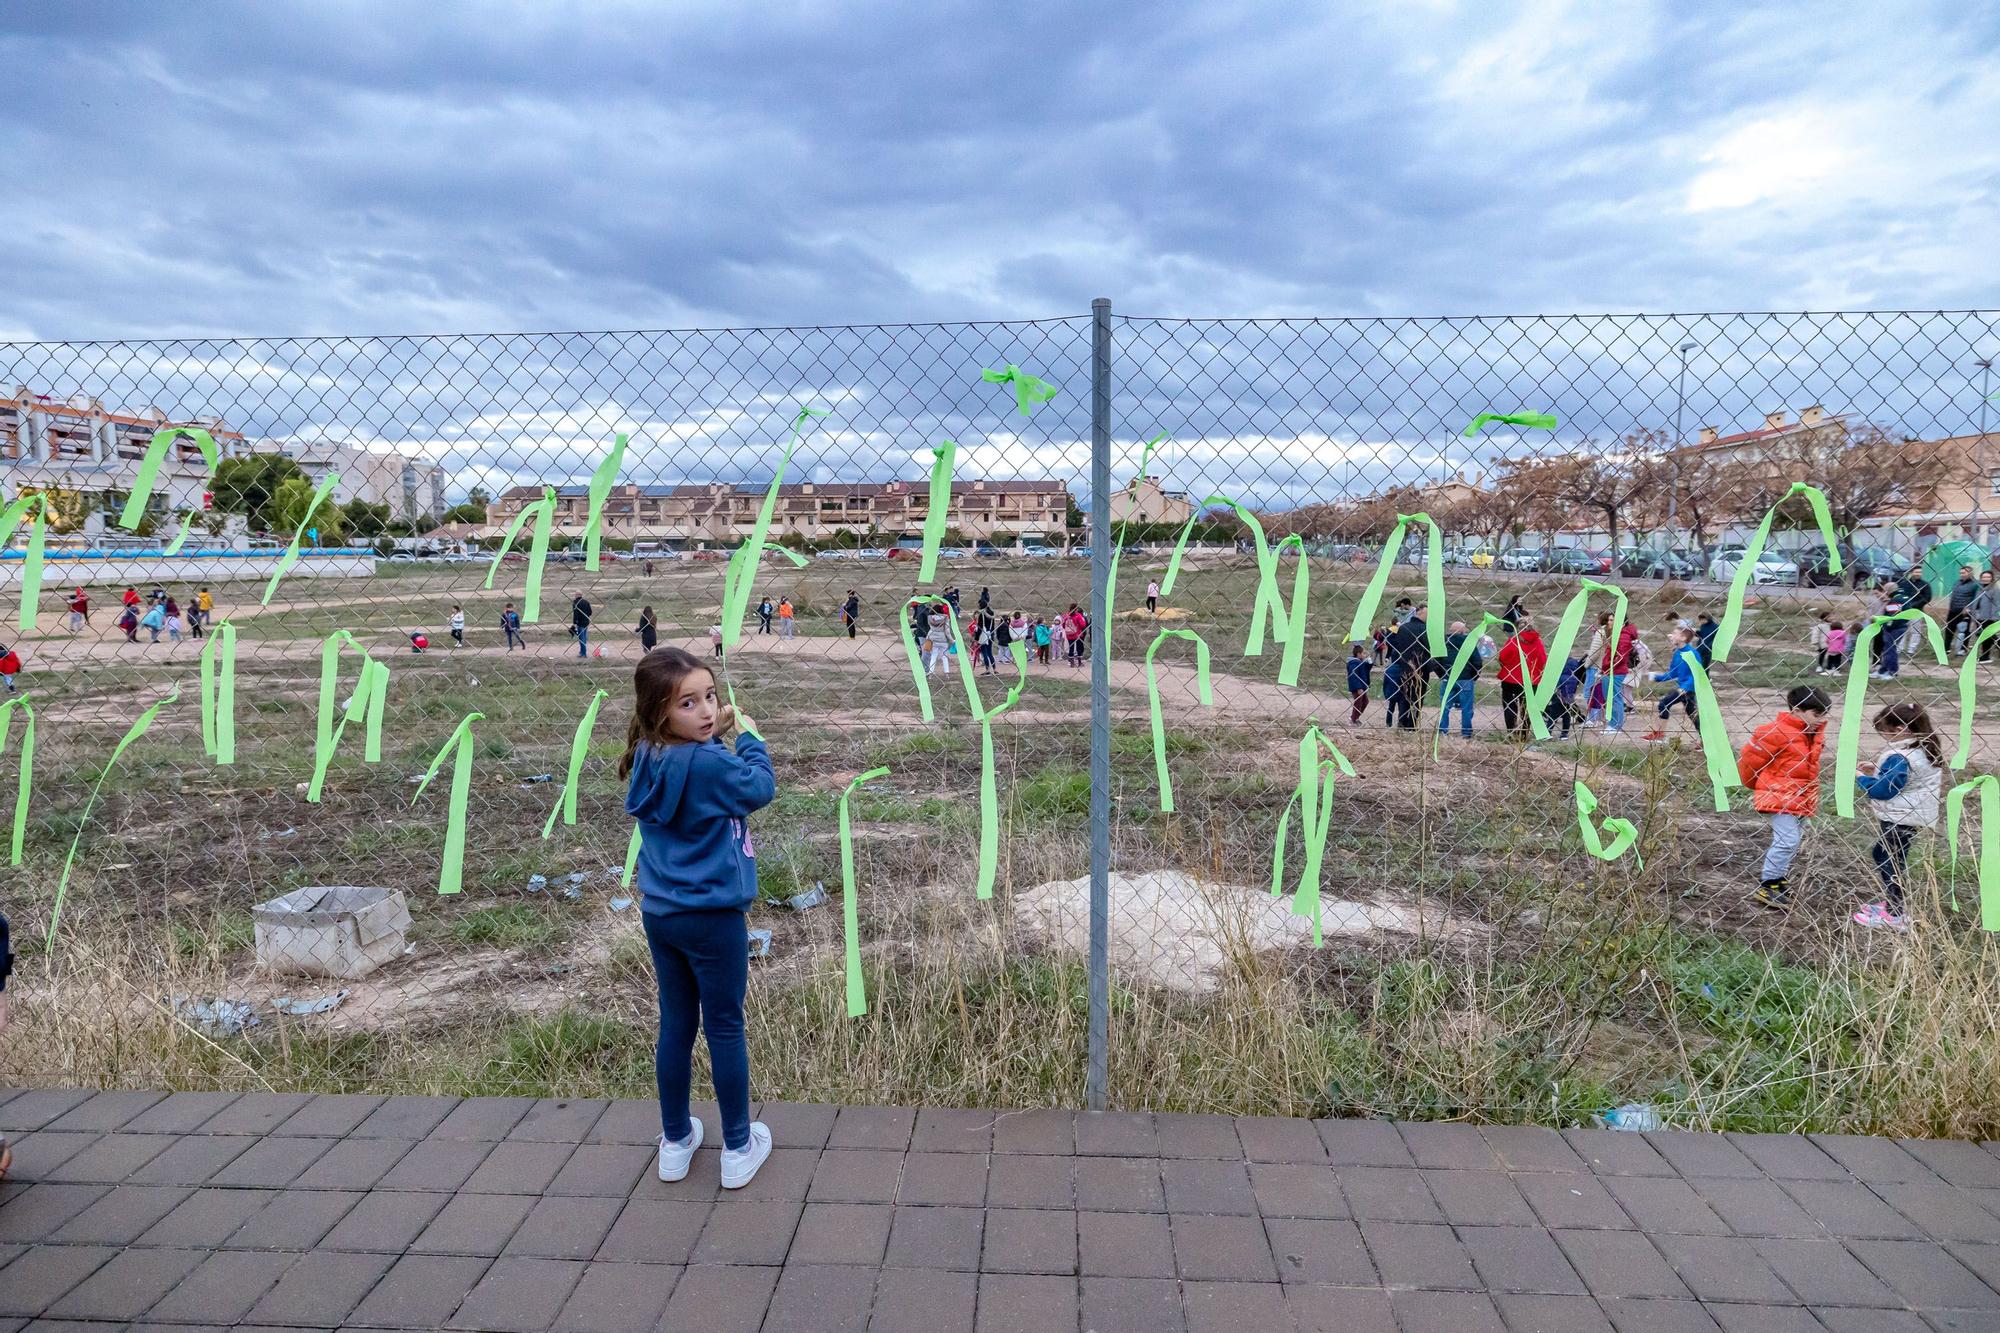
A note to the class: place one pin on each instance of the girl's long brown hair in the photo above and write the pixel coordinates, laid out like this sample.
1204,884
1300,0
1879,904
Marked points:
655,684
1915,720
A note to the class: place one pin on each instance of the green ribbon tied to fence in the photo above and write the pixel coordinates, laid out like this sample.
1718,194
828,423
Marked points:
217,668
579,747
1371,597
939,513
631,858
542,513
1029,392
1717,752
1132,490
25,781
149,468
1530,420
132,733
850,912
1746,568
1567,628
1458,662
11,518
291,555
1847,750
729,686
1153,701
989,782
459,745
1268,611
1968,690
601,482
1623,831
1988,787
370,695
741,573
1314,798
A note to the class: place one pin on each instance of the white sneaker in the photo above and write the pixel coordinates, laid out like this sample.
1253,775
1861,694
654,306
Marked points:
739,1166
675,1158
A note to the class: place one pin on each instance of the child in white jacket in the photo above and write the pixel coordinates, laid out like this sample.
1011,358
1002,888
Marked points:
1904,786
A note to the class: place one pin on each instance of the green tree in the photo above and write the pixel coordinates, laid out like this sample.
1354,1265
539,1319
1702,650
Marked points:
363,519
472,511
246,485
288,511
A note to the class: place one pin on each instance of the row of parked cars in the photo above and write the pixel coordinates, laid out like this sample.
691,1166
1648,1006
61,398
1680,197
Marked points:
1717,563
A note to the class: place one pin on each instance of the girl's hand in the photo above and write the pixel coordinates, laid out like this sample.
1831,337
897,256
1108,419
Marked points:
1869,769
725,719
744,722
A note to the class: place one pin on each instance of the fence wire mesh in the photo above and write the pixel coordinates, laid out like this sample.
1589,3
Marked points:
1475,958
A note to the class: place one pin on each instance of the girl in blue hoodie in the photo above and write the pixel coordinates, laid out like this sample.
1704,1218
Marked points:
697,874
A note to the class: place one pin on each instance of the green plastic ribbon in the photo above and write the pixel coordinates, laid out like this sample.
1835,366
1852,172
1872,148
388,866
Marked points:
1029,392
11,518
543,512
601,482
1988,787
1531,420
935,517
1458,661
579,746
218,695
1295,615
1132,488
1314,797
1847,751
1968,691
1269,601
133,733
149,467
291,555
1571,624
1371,598
631,858
989,784
908,634
741,572
451,872
371,692
850,914
1623,831
1716,750
1732,611
26,781
180,537
1153,700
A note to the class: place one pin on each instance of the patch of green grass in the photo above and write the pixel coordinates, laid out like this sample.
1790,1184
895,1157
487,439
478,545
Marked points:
1056,792
508,926
572,1049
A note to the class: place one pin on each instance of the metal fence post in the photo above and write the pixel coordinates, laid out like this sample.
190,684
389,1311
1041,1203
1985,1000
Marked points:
1101,538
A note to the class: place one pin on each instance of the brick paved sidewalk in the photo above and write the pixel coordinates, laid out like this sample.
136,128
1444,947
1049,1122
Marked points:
139,1209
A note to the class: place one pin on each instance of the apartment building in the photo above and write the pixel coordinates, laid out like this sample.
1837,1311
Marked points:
1146,501
79,444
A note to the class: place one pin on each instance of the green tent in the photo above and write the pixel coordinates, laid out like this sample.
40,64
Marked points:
1943,561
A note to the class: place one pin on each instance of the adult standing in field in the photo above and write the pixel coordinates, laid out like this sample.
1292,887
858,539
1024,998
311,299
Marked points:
1409,649
1515,613
194,617
1153,596
1617,665
510,625
850,611
1985,610
579,623
1464,690
764,613
1958,611
785,617
1911,592
985,599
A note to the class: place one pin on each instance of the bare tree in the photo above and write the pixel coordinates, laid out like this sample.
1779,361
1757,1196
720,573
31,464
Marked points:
1864,471
1609,485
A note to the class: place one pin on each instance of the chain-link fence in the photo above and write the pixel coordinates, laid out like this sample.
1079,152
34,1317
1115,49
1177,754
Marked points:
1314,900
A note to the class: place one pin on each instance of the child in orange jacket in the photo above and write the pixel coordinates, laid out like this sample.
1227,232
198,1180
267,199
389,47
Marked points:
1780,766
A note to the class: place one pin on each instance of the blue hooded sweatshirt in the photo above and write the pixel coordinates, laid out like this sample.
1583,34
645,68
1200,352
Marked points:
692,802
1679,671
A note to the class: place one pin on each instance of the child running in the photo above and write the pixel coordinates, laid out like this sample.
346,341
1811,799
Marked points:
1680,670
457,626
697,875
1780,766
1903,786
1358,669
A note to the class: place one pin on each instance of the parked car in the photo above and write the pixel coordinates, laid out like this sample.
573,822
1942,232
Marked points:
986,550
1602,555
1521,560
1570,560
1037,552
1639,562
1772,568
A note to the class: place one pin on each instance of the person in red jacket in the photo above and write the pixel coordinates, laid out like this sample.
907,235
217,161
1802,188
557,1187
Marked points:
10,666
1780,766
1617,665
1522,659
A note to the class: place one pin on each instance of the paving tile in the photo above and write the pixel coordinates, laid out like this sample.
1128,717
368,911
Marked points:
1408,1255
1701,1154
1876,1321
332,1115
1788,1156
293,1220
1480,1198
1873,1159
1665,1205
607,1170
1119,1184
943,1178
1131,1305
713,1298
224,1288
1520,1259
1638,1316
37,1212
551,1120
180,1113
941,1238
618,1298
631,1121
856,1176
884,1128
1030,1240
353,1164
34,1108
786,1174
192,1159
1531,1148
519,1168
1116,1134
924,1300
1966,1165
1821,1272
110,1159
748,1233
1758,1208
1552,1314
47,1273
271,1163
205,1219
1444,1145
405,1117
1207,1187
1363,1143
1025,1303
947,1129
483,1119
1312,1250
322,1289
385,1222
1723,1268
1124,1245
1851,1210
1943,1213
655,1231
1340,1309
128,1285
256,1113
518,1293
1732,1318
1020,1181
1381,1194
564,1228
1925,1275
420,1291
842,1233
1226,1307
812,1298
1612,1153
1283,1189
37,1156
122,1215
798,1124
103,1112
477,1224
1048,1133
1572,1201
1457,1311
435,1164
1222,1249
1183,1135
1619,1263
1279,1139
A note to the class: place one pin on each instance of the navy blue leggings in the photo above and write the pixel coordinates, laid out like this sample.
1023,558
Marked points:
702,960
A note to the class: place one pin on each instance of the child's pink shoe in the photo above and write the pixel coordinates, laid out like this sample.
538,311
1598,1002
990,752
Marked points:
1878,916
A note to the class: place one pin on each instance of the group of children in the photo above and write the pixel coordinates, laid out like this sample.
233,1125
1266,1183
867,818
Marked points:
160,612
992,635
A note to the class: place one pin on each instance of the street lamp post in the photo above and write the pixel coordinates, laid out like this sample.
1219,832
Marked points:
1674,483
1980,480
